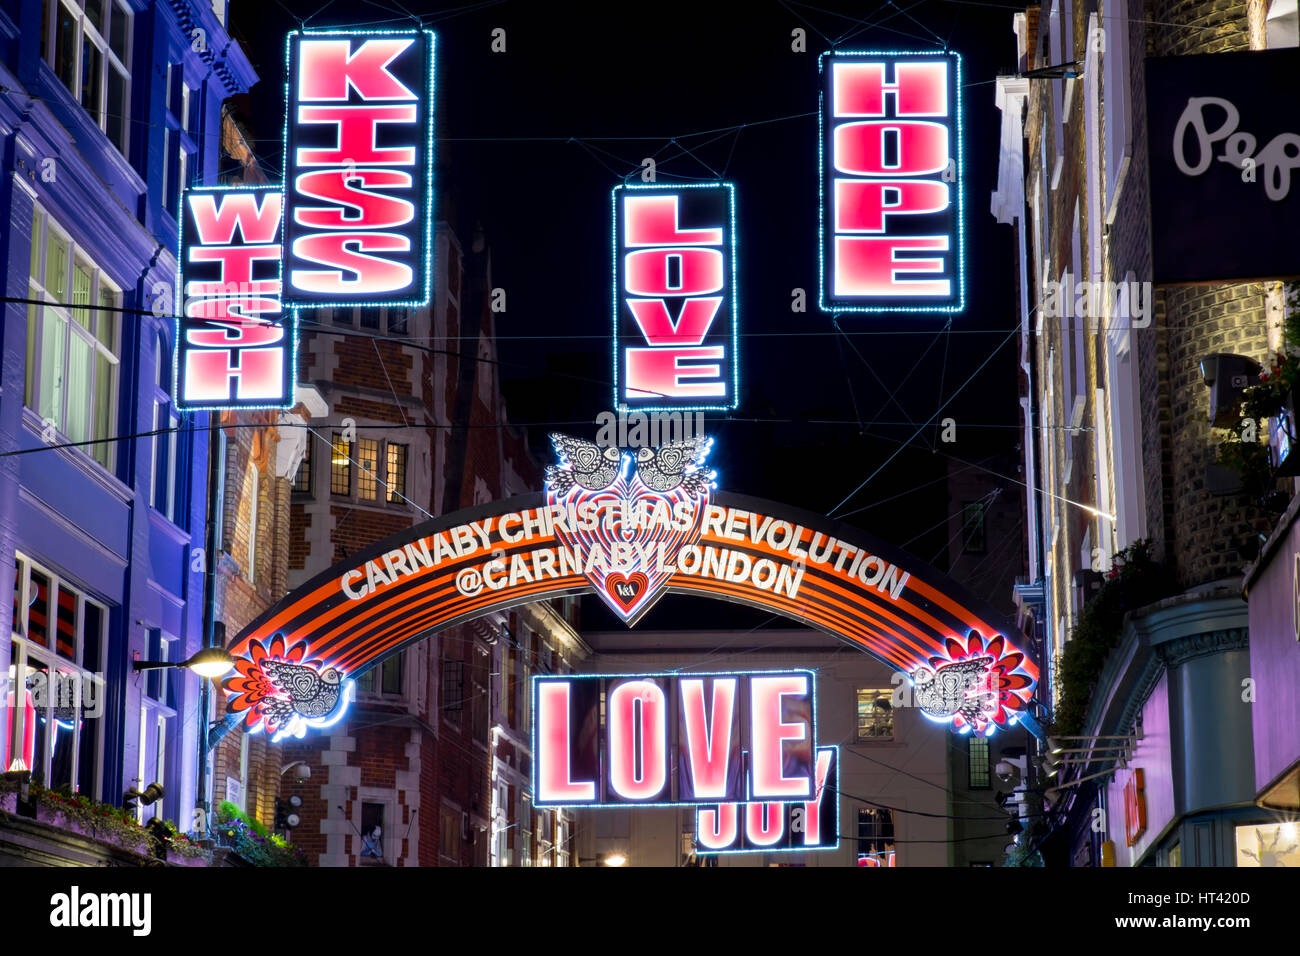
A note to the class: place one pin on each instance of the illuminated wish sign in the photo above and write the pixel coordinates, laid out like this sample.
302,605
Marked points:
891,183
234,343
669,739
359,168
675,333
772,827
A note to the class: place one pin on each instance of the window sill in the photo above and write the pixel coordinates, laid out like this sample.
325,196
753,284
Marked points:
75,456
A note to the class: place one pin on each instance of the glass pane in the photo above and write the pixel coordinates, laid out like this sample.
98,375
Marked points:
29,381
341,466
13,749
81,295
104,404
65,47
396,477
35,264
81,361
118,31
92,630
36,680
88,760
369,316
56,267
106,327
18,601
115,109
65,634
63,728
53,335
95,13
393,675
38,609
397,318
368,474
92,74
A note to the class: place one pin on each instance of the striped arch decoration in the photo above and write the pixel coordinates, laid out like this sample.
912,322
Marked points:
629,526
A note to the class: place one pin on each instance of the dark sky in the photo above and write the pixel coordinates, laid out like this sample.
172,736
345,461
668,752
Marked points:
531,141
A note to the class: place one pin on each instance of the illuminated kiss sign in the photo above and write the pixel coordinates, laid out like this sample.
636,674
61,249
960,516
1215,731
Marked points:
234,343
891,183
359,167
675,297
767,827
673,739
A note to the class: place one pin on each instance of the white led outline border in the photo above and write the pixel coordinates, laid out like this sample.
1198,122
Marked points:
734,303
553,678
822,303
700,851
289,316
429,210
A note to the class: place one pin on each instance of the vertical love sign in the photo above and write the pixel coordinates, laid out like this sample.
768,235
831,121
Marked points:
891,183
674,303
234,344
358,168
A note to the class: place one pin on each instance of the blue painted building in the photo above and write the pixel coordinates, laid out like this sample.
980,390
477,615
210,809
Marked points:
107,107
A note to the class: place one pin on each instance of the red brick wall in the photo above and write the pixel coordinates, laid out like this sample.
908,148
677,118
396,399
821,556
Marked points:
357,528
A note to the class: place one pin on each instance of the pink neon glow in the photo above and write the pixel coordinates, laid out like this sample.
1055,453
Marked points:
919,89
769,734
649,271
692,325
328,67
256,216
339,187
709,743
717,826
652,221
870,265
922,148
637,712
660,372
258,373
812,810
764,823
555,781
374,275
358,128
861,205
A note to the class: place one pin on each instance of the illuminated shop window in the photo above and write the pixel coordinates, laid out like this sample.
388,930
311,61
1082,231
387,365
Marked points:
1266,844
55,726
875,830
396,472
372,833
875,713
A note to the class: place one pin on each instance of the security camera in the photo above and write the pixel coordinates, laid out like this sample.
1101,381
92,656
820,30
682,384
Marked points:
1005,770
304,773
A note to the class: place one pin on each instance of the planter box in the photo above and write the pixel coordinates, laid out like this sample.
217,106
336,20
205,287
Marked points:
59,819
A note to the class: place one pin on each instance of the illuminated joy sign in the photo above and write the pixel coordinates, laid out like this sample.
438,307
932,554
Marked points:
768,827
675,297
891,175
359,168
673,739
234,344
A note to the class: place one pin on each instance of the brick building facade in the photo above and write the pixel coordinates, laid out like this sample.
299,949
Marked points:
430,765
1118,439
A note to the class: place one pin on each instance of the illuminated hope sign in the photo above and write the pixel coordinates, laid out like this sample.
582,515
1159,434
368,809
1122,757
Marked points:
359,167
891,175
764,827
675,297
673,738
234,347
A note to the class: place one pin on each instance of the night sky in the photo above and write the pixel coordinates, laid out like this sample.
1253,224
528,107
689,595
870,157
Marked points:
531,141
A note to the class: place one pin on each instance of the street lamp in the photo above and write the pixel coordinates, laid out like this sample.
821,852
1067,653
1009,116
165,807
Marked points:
210,662
615,859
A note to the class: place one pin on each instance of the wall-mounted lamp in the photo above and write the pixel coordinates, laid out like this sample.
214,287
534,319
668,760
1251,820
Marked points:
210,662
151,794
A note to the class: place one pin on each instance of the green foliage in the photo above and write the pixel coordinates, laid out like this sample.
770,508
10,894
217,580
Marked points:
250,839
1134,581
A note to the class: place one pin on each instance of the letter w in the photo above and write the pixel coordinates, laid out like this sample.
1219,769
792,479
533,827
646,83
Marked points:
216,222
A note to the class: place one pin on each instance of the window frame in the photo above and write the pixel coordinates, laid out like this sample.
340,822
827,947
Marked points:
881,693
73,669
100,37
974,743
70,328
357,475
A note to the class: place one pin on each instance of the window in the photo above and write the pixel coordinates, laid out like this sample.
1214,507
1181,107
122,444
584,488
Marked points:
875,713
385,678
372,833
88,44
72,353
398,319
302,477
525,831
1115,101
166,422
342,317
396,472
449,833
219,519
368,317
178,142
978,752
367,468
453,688
972,528
57,646
875,830
341,466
